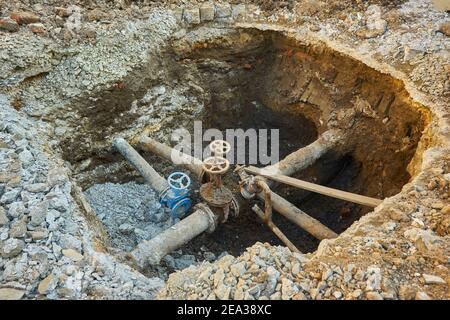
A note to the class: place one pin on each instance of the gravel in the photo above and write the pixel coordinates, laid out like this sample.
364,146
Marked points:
371,260
130,212
46,246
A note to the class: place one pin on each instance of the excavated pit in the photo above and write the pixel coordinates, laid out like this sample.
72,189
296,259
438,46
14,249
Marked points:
236,78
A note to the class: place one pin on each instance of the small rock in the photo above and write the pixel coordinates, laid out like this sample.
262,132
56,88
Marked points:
38,234
238,10
222,292
9,24
57,201
12,247
238,269
437,205
225,262
276,296
14,182
405,292
347,277
445,28
3,218
66,293
72,254
207,12
96,15
26,157
169,261
296,268
446,209
299,296
36,187
68,241
184,261
374,296
88,32
420,295
219,276
255,290
432,279
38,213
223,10
424,240
327,273
209,256
337,294
18,229
192,15
288,289
126,228
396,214
11,294
373,279
359,275
442,5
62,12
48,284
56,176
271,281
24,17
375,25
16,209
356,294
10,196
239,294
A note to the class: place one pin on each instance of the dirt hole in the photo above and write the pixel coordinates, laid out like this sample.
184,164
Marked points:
252,79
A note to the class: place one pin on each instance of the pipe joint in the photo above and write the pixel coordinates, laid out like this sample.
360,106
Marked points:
213,218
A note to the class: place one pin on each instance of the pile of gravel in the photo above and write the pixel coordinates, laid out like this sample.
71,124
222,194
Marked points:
130,212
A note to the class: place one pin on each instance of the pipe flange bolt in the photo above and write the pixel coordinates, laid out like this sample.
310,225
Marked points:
213,220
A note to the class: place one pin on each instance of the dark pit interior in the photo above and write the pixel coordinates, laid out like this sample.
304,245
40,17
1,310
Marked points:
255,79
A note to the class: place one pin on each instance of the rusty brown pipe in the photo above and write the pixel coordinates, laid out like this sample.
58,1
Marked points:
177,157
287,209
152,177
266,216
306,156
150,252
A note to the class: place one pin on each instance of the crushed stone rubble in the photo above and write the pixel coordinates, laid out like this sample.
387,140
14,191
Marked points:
49,248
130,212
45,245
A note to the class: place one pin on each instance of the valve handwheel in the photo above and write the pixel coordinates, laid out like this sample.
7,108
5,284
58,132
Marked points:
216,165
179,180
219,147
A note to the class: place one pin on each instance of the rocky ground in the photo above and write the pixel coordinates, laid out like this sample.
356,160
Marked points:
130,212
47,249
53,246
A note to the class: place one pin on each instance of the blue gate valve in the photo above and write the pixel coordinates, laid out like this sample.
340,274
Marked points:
176,196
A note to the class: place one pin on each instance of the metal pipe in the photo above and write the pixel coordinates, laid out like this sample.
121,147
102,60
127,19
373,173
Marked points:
285,208
152,177
306,156
276,230
280,204
300,218
179,158
305,185
266,216
153,250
